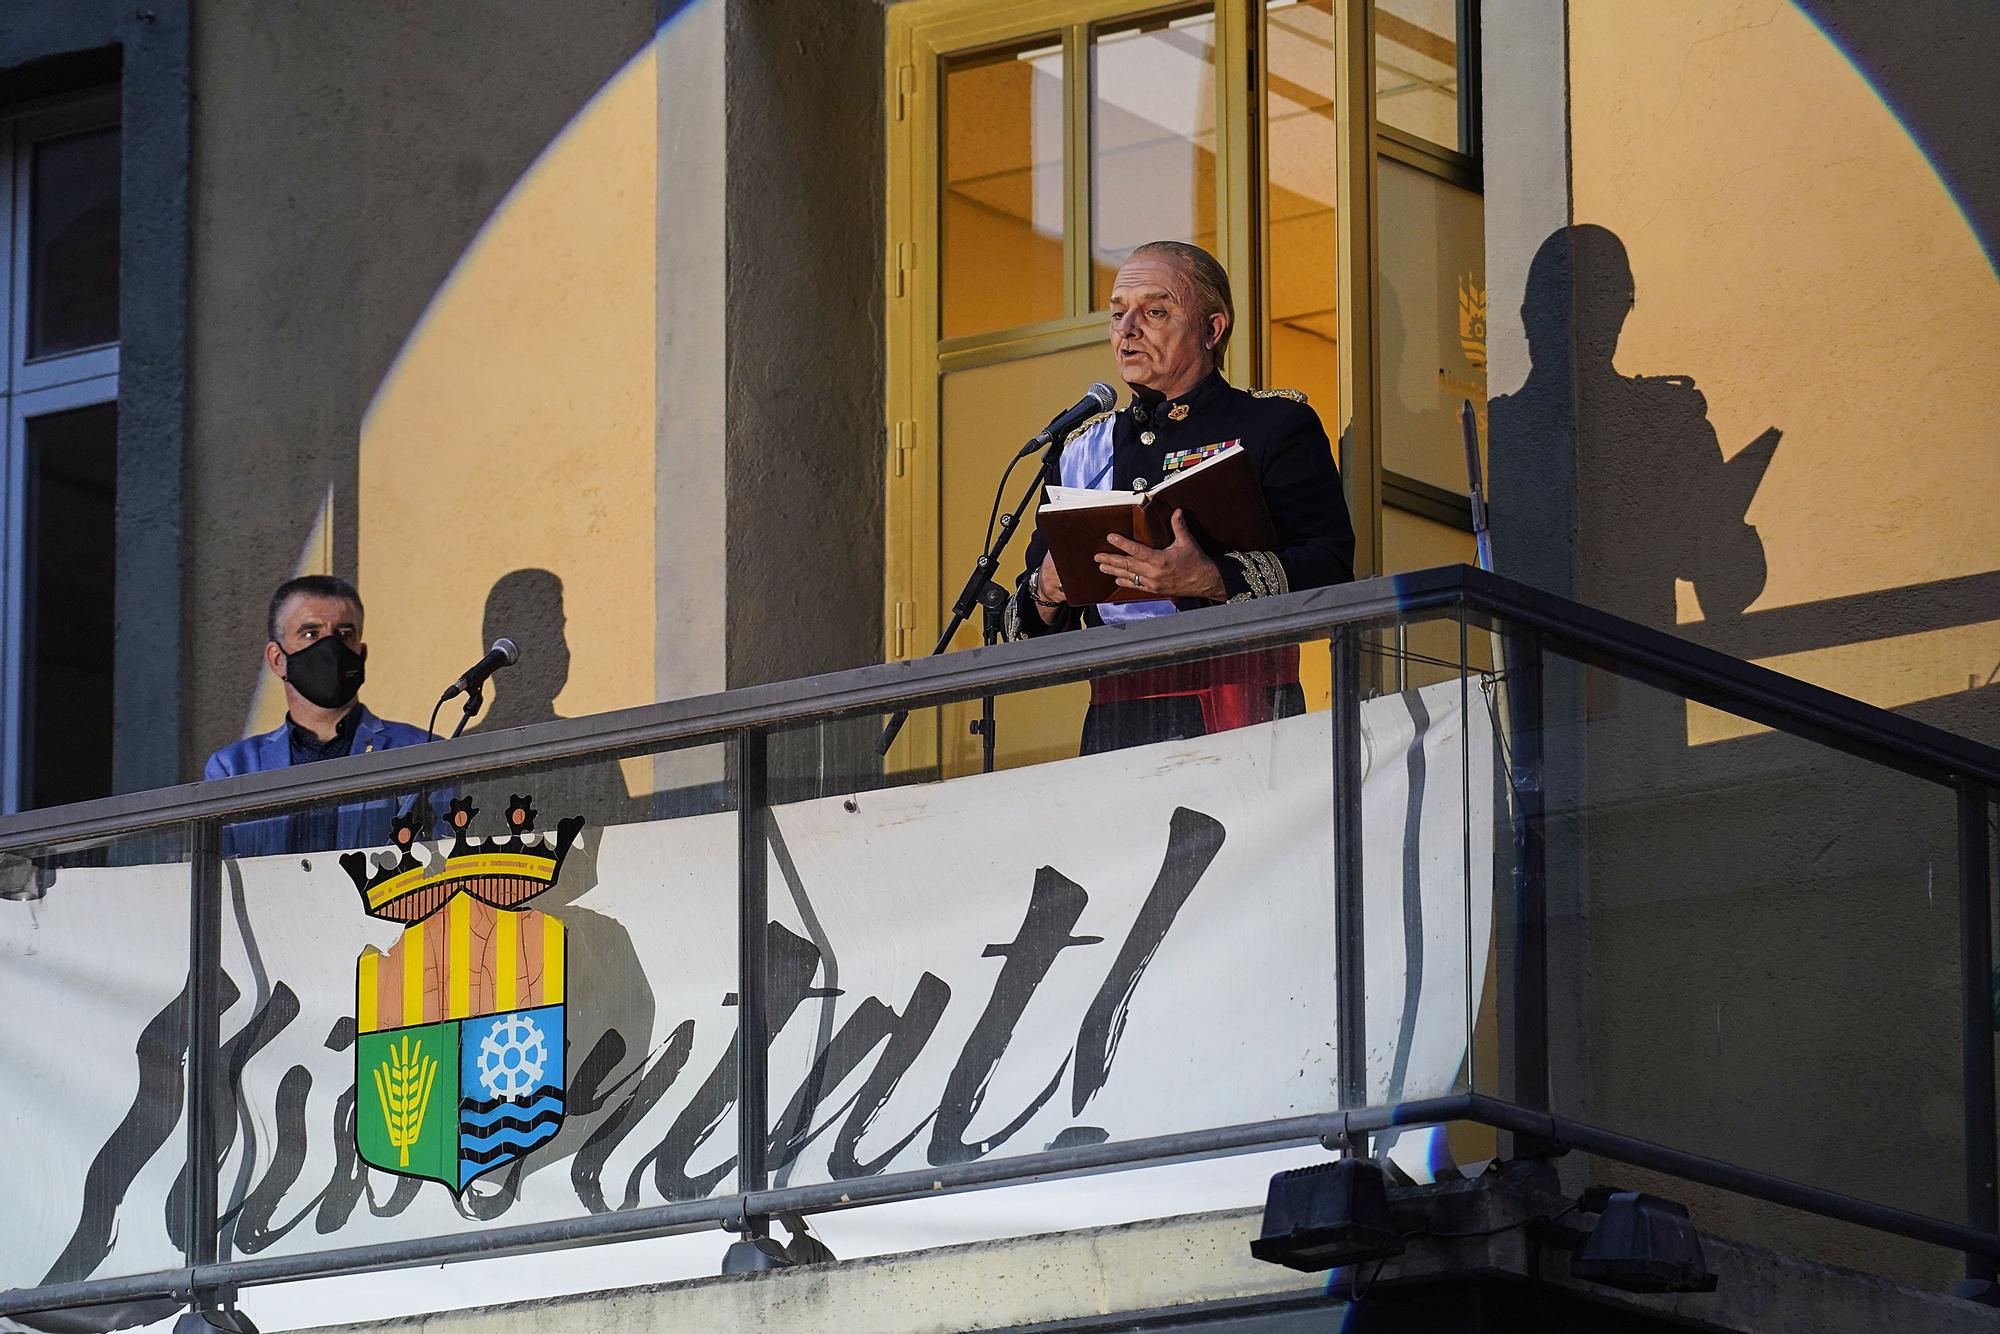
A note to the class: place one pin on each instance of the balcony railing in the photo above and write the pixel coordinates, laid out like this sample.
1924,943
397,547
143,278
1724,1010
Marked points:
1519,865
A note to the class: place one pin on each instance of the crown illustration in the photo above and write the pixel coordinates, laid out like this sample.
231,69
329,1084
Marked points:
503,871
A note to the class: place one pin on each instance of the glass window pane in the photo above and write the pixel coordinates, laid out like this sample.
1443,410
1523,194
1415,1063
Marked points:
73,243
985,408
1304,242
1001,214
1152,138
72,474
1413,542
1416,68
1433,323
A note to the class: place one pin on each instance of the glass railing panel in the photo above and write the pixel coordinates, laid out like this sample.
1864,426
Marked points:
1428,757
524,1012
1131,942
94,942
1753,945
1990,809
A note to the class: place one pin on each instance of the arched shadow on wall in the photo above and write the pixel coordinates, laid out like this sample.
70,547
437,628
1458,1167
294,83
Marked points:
1920,57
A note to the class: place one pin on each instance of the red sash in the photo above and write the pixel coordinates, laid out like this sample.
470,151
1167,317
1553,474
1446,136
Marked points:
1233,691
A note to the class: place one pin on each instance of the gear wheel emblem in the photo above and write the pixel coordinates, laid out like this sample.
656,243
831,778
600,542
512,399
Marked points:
512,1056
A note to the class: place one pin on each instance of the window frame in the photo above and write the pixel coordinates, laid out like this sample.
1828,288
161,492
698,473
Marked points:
944,30
15,725
35,388
922,35
82,115
1465,169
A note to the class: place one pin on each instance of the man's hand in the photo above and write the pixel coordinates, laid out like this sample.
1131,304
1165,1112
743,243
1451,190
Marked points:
1182,570
1049,585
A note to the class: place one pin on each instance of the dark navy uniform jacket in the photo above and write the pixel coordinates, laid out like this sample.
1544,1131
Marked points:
1293,460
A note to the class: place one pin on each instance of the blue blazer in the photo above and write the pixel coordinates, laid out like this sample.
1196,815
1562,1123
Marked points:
359,824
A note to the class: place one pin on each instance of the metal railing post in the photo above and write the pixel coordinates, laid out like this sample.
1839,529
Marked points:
752,1022
1975,962
204,1038
1527,786
1350,956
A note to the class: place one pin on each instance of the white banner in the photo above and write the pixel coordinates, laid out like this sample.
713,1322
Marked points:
1098,949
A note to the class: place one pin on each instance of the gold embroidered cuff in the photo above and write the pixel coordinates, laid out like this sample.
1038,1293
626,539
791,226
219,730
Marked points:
1263,573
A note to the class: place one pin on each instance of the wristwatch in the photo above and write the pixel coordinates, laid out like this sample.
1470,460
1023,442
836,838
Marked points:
1035,591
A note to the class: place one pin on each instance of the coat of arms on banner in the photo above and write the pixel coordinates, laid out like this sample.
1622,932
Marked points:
460,1065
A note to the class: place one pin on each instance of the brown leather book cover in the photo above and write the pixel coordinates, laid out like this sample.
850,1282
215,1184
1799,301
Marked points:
1219,497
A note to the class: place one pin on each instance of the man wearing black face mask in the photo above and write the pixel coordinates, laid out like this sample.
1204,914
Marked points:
314,647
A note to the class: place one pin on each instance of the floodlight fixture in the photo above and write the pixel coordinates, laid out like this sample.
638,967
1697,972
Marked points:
804,1248
750,1255
206,1315
1643,1243
1984,1291
1328,1215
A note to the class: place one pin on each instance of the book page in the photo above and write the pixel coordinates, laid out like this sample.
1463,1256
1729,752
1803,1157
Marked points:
1083,497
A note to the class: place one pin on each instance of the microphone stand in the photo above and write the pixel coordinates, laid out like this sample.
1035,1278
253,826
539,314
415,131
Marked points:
968,598
992,606
475,700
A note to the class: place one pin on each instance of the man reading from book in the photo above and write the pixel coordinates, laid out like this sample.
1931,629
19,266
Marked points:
1171,318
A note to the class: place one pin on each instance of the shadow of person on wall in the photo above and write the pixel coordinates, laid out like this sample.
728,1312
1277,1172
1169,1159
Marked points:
1703,885
527,607
1633,455
610,1036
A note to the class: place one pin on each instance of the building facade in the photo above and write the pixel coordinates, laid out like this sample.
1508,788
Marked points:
684,343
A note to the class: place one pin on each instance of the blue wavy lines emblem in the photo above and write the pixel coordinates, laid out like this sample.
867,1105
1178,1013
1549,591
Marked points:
511,1082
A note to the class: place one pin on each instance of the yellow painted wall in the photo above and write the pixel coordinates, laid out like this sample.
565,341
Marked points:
1795,254
515,429
1770,973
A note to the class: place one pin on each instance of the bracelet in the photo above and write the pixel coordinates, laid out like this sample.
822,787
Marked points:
1035,592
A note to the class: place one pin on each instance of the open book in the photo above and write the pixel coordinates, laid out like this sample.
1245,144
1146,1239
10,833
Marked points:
1219,498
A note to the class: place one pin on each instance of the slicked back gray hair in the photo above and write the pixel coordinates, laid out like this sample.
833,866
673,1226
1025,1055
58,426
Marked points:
1209,281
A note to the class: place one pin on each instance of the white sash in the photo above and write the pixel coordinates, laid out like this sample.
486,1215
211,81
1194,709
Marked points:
1086,462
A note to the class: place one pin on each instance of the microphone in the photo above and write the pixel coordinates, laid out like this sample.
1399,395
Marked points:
502,654
1099,398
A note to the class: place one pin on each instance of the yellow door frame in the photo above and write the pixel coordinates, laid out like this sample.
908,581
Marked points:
1354,159
921,34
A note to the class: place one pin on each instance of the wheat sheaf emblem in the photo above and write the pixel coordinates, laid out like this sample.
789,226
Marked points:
403,1086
